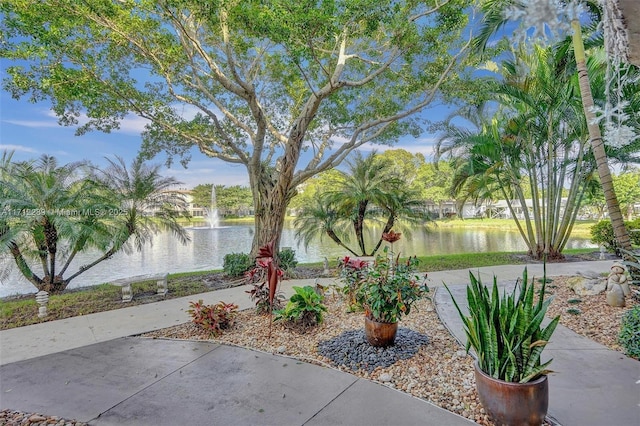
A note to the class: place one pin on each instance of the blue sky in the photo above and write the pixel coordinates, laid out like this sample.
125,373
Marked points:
31,130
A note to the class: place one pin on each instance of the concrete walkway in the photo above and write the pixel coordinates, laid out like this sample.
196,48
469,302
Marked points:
88,369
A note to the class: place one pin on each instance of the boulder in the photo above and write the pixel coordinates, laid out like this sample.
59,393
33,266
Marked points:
583,286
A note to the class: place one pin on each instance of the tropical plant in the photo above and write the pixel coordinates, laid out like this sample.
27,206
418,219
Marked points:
269,272
305,307
370,191
389,288
259,294
506,332
255,83
52,212
352,272
532,152
237,264
629,336
496,14
213,318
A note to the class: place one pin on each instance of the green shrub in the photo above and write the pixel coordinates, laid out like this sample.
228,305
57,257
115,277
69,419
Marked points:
287,259
602,234
305,307
629,336
236,264
213,318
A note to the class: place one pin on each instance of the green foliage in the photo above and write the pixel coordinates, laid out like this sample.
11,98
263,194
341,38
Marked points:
389,288
371,191
287,259
629,336
522,152
305,307
236,264
602,234
82,208
574,311
213,318
352,273
506,332
259,294
632,262
367,70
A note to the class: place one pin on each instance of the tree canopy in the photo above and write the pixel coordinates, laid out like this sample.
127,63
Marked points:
251,82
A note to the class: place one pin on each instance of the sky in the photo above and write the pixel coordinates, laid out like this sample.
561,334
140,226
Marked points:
32,129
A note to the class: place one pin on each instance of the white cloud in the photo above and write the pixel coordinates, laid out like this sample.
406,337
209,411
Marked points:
33,123
209,171
18,148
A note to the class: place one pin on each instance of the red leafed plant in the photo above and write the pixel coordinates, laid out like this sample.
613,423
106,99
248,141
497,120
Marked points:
266,268
213,318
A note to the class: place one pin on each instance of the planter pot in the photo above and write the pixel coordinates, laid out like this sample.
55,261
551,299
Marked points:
380,334
509,403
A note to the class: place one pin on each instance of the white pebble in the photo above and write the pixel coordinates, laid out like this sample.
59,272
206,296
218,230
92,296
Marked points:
385,377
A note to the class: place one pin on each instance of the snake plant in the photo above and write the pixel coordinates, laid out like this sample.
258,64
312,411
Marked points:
506,332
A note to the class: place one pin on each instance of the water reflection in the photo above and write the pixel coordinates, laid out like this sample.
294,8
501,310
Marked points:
208,247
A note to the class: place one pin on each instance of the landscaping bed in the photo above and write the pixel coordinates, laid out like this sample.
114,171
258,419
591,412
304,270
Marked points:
439,372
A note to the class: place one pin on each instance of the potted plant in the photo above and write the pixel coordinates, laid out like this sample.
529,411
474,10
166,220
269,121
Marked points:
386,291
507,336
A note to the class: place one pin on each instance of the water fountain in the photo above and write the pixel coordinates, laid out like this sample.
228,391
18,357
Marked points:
212,212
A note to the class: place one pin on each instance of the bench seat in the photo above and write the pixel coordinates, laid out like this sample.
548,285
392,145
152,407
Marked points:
125,283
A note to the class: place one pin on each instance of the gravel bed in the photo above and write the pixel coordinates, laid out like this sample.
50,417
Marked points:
19,418
351,349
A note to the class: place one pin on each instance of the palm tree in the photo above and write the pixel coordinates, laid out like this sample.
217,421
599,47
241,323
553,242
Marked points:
138,190
369,191
533,144
51,213
494,19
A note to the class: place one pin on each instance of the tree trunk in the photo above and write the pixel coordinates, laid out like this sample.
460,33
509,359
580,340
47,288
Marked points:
597,144
269,221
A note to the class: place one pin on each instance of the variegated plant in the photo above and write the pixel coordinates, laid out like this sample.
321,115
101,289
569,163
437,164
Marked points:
506,332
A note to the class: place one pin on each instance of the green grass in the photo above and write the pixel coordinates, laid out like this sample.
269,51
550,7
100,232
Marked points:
581,228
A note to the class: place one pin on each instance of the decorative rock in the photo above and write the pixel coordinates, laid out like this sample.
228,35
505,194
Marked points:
351,350
281,349
586,286
385,377
37,418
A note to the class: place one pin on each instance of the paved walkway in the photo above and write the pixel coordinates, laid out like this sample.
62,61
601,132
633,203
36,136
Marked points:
87,368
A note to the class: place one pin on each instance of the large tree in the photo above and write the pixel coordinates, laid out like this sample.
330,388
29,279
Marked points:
251,82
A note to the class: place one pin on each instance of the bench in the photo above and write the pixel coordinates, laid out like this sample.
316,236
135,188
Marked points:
125,283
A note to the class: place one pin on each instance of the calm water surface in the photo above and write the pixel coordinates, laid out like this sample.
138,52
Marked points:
209,246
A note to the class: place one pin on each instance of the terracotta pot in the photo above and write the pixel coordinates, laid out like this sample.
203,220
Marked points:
381,334
509,403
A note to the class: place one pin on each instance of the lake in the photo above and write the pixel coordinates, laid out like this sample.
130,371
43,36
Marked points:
207,249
